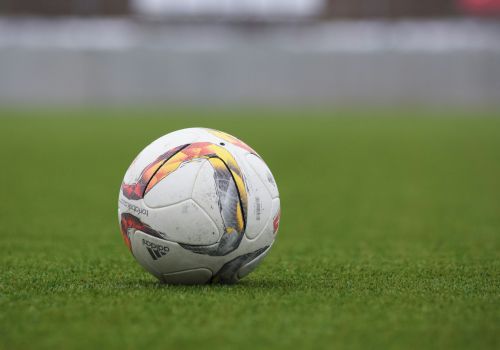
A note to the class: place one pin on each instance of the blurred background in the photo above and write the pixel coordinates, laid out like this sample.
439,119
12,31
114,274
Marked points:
247,52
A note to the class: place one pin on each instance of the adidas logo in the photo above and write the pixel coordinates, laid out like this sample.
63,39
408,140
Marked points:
156,251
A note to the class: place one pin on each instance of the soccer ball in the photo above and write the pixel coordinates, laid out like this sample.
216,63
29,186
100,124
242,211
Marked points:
197,206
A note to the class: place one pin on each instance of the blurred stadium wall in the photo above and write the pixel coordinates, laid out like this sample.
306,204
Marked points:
344,52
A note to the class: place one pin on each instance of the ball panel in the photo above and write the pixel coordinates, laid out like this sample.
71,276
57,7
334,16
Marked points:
259,205
184,222
262,170
161,257
230,199
174,188
138,241
205,194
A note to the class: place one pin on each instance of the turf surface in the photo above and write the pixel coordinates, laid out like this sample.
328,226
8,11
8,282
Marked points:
390,234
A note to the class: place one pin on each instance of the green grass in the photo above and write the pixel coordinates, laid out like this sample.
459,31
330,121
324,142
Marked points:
390,234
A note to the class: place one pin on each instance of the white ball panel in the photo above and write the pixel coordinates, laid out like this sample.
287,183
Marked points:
205,194
174,188
184,222
259,205
176,259
264,174
141,254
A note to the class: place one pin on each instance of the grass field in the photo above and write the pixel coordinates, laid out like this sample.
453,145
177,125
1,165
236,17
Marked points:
390,234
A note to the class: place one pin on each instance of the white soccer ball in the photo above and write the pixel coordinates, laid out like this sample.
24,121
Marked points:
198,205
